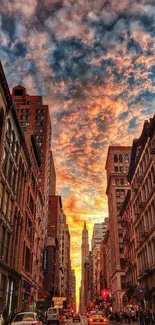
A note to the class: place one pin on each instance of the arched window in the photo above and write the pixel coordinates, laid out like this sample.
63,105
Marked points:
120,158
126,158
8,127
115,158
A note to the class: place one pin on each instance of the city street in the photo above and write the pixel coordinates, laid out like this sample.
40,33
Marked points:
84,321
77,162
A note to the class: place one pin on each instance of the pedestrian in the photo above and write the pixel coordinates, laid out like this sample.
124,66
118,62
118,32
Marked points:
148,318
141,317
5,316
1,319
133,315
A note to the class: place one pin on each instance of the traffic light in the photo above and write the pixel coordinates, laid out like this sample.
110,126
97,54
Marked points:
104,294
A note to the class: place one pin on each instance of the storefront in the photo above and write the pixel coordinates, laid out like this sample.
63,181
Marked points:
3,289
26,295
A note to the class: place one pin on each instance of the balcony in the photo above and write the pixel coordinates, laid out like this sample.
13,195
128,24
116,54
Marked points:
139,179
144,234
126,240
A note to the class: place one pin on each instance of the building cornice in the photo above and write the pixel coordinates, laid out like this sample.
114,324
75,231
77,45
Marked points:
5,88
139,144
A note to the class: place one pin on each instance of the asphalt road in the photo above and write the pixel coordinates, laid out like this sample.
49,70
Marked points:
84,321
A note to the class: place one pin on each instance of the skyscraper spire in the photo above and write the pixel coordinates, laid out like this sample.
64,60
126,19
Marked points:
84,256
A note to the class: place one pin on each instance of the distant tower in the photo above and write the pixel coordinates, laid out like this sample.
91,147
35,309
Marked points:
84,246
84,255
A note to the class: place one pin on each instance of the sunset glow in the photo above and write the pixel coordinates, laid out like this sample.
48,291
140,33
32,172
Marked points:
94,64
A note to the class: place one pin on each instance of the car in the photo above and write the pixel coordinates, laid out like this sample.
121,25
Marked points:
76,317
26,318
53,316
97,318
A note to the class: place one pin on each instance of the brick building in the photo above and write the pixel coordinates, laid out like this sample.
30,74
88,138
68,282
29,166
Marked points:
34,117
142,179
19,190
117,167
130,260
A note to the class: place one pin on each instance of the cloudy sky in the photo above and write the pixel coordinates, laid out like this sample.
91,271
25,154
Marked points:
94,63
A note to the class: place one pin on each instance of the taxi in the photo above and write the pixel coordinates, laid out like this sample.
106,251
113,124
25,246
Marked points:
97,318
27,318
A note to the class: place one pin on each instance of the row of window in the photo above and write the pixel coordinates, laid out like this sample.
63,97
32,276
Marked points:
147,221
120,193
121,169
4,244
146,257
119,181
121,158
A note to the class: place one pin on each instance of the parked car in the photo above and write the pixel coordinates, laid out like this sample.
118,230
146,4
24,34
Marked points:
76,317
26,318
96,318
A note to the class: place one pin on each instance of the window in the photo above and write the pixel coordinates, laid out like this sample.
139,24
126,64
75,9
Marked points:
23,111
121,169
117,181
122,181
38,102
120,233
121,248
5,160
117,193
126,158
122,263
1,193
119,205
18,92
28,102
2,239
127,169
120,193
6,250
33,181
9,212
119,219
29,230
123,283
31,204
9,171
116,169
27,260
120,158
5,201
115,158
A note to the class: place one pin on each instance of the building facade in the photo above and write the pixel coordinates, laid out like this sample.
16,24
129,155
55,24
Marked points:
117,167
72,291
99,231
53,240
34,117
19,189
130,260
84,256
142,179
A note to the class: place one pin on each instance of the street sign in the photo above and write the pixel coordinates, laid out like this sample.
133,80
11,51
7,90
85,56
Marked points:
59,299
58,306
